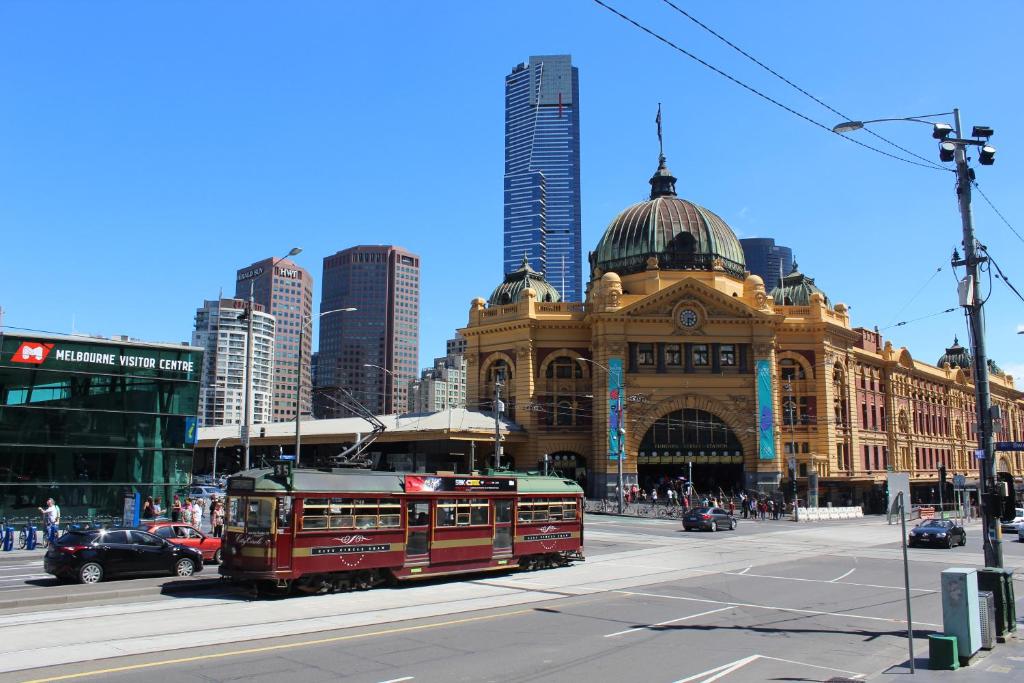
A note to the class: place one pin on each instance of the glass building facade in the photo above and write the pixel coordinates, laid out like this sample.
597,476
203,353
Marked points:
767,260
85,420
542,172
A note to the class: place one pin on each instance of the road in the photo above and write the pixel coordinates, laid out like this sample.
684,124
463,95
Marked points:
772,600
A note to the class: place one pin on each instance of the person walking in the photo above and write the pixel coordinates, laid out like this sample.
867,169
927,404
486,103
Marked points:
51,518
176,509
185,514
197,513
147,509
217,518
732,507
157,507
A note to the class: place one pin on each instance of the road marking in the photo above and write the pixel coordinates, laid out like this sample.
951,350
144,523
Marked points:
726,669
665,623
396,680
844,583
273,648
843,576
795,610
745,570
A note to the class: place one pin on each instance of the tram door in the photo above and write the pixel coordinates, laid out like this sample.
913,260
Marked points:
417,540
503,526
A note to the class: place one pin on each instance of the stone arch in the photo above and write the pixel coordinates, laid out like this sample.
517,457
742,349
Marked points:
798,359
743,426
562,353
491,360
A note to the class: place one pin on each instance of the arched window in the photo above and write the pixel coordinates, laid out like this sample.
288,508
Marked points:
499,371
564,414
564,367
789,369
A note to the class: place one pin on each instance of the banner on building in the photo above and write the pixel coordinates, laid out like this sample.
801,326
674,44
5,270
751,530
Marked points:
616,426
765,412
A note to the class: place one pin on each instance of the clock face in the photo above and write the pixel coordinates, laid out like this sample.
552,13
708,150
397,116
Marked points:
688,318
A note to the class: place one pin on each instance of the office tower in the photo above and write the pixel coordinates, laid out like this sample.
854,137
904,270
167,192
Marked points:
440,387
542,172
767,259
456,345
221,330
285,290
372,351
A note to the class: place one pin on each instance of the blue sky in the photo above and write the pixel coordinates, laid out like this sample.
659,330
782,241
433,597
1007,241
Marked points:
147,150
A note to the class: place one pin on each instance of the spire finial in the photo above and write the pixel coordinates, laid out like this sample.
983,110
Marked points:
661,149
956,340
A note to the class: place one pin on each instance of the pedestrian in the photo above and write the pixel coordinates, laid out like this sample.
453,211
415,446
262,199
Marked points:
185,511
176,509
732,507
654,495
197,513
157,507
217,518
147,509
51,517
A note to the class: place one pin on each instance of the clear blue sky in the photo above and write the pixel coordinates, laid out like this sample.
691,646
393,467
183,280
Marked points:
147,150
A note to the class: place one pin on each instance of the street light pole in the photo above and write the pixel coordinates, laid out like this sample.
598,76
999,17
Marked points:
213,472
791,409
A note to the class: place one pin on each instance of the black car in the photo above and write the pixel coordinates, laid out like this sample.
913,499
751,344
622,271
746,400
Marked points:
941,532
89,556
711,519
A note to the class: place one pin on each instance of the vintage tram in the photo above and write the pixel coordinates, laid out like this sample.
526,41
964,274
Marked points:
327,530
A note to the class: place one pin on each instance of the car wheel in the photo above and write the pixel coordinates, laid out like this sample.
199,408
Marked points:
184,567
216,557
90,572
949,542
714,525
963,539
732,525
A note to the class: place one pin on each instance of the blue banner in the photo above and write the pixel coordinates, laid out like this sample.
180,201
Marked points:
616,425
765,413
190,431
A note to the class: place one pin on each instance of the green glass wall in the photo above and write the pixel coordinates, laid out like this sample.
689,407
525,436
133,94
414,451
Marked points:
85,421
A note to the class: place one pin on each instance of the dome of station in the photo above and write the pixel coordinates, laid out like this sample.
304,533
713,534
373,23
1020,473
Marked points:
957,356
518,281
681,235
796,289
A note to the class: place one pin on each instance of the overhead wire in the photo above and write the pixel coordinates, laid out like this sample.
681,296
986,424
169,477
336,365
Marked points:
916,294
998,212
757,92
792,84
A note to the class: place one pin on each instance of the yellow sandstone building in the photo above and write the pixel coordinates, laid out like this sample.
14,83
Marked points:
680,361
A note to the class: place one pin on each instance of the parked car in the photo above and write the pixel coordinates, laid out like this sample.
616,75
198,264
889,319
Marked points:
711,519
942,532
205,492
89,556
186,535
1015,524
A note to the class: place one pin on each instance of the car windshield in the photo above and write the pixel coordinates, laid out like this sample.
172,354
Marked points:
77,538
702,511
938,524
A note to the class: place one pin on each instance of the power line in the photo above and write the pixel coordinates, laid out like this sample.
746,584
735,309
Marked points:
1002,276
792,84
923,317
917,293
998,213
757,92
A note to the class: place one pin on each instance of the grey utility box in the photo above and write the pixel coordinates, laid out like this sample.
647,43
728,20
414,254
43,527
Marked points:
961,615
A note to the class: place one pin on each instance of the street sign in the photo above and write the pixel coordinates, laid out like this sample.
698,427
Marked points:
959,481
1010,445
287,457
979,454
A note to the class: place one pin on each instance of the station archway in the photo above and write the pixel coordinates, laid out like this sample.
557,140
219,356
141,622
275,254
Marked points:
691,442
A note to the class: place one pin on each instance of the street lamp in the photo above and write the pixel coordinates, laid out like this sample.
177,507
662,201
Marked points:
249,355
791,414
622,432
298,380
955,149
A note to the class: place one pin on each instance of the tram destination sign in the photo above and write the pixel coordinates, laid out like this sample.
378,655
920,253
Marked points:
421,483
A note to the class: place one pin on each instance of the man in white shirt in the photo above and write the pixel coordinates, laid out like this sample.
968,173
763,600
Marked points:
51,516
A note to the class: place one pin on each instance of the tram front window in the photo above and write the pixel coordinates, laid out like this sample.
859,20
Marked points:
259,515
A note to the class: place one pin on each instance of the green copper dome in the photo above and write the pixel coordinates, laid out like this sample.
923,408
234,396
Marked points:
681,235
511,290
957,356
796,289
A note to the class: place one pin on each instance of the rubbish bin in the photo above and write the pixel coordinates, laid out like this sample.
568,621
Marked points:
1000,582
987,606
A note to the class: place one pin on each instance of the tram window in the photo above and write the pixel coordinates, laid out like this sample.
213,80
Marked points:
390,513
503,511
284,512
446,513
540,513
314,513
569,510
419,513
525,512
555,512
479,512
234,518
259,515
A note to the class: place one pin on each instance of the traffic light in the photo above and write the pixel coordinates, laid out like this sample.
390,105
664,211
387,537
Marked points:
942,476
1005,496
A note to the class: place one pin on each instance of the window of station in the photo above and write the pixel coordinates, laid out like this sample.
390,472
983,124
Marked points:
645,354
546,510
564,367
467,512
700,355
727,355
351,513
789,369
673,355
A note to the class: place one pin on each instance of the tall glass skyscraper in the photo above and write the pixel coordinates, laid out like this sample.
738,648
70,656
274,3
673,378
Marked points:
542,172
767,259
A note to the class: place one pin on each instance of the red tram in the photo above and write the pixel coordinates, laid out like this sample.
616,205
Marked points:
317,530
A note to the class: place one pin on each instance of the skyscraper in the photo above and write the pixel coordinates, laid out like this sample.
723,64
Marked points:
542,172
222,332
767,259
372,351
285,289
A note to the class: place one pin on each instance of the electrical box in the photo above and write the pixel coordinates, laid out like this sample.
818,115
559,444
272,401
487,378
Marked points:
961,615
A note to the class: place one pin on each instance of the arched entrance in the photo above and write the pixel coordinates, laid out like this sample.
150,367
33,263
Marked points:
568,464
691,440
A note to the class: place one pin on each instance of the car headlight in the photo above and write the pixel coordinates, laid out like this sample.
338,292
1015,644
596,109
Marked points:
941,534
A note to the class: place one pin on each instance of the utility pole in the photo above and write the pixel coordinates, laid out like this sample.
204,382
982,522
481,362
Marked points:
247,418
791,409
992,542
298,395
497,421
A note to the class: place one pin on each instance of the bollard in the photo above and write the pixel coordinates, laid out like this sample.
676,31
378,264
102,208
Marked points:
30,537
7,538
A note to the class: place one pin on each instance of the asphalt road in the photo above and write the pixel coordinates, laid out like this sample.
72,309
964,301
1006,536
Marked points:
771,601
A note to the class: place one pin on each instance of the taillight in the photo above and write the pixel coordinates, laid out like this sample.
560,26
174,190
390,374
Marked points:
705,516
71,549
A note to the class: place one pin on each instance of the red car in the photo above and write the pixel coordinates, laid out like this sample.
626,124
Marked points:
186,535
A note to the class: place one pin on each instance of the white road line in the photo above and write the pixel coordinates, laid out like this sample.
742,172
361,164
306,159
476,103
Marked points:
795,610
843,576
719,671
396,680
813,666
843,583
745,570
665,623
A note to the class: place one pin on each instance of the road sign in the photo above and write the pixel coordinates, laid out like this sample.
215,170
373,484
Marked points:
1010,445
979,454
959,481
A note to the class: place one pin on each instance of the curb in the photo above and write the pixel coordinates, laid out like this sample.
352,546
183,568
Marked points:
198,585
